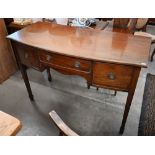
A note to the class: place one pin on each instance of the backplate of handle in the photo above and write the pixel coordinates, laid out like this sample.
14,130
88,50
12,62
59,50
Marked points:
48,57
77,64
26,55
111,76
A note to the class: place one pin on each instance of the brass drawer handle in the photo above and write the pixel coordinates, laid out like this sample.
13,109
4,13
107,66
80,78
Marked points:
26,55
48,57
77,64
111,76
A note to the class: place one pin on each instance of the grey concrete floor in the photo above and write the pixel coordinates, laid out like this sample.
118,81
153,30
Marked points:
88,112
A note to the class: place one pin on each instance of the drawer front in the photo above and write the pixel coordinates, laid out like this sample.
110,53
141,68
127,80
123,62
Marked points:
65,61
112,75
28,56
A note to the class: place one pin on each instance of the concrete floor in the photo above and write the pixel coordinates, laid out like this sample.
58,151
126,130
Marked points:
88,112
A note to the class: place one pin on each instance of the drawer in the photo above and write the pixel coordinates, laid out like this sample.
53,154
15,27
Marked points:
112,75
28,56
65,62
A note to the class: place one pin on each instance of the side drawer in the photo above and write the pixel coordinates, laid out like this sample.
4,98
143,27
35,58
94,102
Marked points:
28,56
65,61
112,75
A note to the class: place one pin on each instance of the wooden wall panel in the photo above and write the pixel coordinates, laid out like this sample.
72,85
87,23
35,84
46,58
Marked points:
7,61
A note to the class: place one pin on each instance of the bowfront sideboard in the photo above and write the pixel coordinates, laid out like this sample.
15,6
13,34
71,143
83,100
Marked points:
105,59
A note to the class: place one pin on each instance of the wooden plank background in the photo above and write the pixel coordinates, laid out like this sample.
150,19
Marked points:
8,64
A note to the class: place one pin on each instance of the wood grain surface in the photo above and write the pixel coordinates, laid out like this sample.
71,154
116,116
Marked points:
64,129
86,43
7,62
105,59
9,125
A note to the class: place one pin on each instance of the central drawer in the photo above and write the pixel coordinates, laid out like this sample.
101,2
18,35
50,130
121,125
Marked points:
55,60
112,75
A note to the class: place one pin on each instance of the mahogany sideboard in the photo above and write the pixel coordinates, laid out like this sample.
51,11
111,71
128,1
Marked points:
105,59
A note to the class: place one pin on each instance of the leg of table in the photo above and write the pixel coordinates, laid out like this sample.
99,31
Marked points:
49,74
126,111
26,81
129,98
88,85
152,55
115,93
23,72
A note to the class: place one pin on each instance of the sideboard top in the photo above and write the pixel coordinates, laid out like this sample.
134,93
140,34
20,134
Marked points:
86,43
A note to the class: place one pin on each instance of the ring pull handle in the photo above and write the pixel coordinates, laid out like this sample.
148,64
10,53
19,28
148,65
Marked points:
26,55
48,57
77,64
111,76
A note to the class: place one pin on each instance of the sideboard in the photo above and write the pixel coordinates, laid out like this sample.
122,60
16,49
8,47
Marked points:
105,59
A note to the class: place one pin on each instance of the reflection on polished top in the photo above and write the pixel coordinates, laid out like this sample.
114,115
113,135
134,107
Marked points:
86,43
